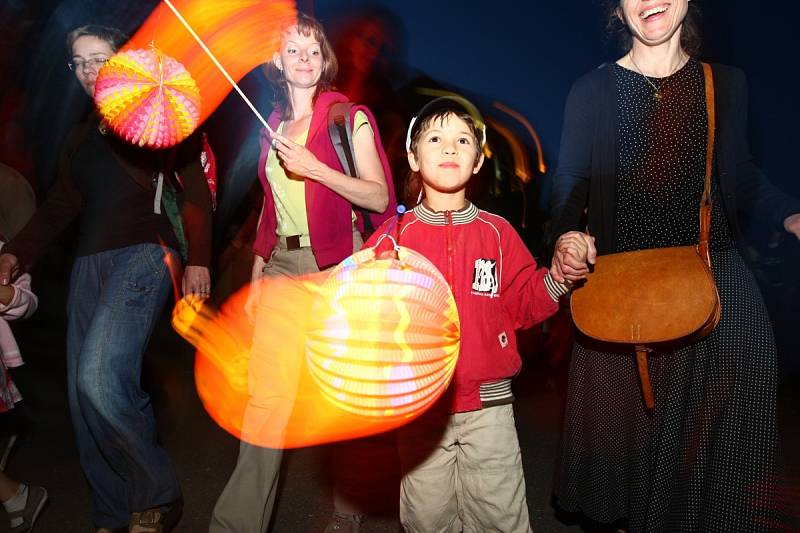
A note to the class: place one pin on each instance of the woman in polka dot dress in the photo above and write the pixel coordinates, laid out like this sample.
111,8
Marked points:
631,169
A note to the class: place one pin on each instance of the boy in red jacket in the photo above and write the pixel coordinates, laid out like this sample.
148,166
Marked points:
461,460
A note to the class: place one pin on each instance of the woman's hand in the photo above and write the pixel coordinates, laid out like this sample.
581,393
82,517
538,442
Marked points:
196,281
369,190
573,254
296,158
792,225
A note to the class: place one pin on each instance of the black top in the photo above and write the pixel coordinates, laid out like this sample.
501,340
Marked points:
662,161
109,183
116,211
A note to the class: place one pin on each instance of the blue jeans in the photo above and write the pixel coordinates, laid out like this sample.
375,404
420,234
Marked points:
115,298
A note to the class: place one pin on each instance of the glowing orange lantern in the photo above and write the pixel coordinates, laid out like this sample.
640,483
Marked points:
357,352
383,336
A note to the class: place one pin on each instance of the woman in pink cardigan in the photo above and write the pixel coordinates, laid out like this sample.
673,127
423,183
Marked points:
311,220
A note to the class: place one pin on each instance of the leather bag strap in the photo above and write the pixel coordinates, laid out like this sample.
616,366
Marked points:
644,377
705,201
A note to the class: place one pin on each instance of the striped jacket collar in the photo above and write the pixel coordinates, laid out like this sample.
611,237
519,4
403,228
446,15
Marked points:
439,218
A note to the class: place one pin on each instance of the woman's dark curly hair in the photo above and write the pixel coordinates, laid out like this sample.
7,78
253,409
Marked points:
308,27
691,40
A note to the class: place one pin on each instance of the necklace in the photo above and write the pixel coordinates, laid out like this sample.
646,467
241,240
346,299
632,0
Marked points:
657,94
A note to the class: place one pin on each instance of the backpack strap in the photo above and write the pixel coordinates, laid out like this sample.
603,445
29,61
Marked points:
341,133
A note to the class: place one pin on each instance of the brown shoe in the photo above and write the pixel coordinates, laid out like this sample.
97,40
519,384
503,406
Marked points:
157,520
345,522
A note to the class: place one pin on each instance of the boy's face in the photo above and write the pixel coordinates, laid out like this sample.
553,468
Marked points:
446,155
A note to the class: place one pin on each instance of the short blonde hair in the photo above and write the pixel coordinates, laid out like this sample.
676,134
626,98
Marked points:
114,37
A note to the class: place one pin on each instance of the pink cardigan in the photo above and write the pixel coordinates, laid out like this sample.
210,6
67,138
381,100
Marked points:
329,215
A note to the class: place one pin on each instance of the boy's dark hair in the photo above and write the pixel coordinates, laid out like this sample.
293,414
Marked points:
114,37
436,111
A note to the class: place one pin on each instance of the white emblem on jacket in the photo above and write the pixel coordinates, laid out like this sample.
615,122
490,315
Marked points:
484,277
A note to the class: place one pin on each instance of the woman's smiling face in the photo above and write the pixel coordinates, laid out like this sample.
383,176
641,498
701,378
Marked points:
653,22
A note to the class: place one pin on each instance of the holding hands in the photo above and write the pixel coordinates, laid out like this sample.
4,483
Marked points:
574,252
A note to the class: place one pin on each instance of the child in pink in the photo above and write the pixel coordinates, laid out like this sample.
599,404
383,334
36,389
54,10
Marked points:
23,503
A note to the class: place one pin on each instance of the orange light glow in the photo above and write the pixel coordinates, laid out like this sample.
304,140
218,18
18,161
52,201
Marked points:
175,269
521,166
529,127
361,350
241,35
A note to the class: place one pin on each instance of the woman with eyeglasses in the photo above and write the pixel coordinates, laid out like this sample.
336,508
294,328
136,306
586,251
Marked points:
120,281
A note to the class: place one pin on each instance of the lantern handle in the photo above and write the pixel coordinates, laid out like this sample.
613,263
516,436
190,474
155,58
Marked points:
218,65
396,246
394,252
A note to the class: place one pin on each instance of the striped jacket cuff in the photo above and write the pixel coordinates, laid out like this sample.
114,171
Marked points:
496,393
555,289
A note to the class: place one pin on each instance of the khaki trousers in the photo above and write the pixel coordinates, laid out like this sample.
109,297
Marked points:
462,472
247,501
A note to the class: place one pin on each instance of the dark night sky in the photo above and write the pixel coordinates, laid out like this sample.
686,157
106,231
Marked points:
527,54
523,54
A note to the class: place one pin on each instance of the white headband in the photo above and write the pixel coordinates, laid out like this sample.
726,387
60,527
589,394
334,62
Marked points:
463,102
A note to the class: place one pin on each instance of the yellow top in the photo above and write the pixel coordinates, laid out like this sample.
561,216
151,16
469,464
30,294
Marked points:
289,191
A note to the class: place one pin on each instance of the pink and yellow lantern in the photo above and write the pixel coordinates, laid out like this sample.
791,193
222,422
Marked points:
147,98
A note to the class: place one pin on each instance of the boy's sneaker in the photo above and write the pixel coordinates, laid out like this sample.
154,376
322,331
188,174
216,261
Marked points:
37,497
345,522
6,443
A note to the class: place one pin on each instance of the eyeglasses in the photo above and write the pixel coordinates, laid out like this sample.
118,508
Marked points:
81,64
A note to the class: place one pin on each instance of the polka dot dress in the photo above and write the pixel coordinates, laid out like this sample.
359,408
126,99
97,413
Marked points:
704,461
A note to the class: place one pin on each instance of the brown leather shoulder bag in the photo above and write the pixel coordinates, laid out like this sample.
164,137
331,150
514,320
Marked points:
660,296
